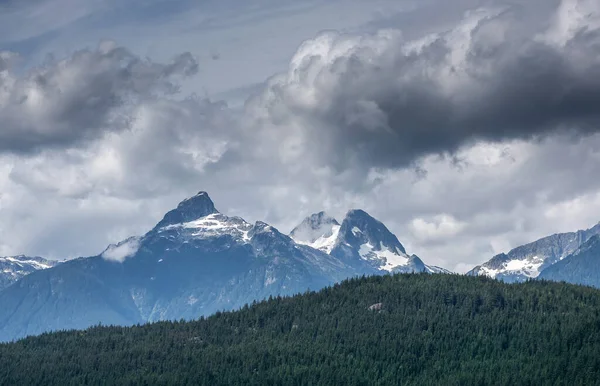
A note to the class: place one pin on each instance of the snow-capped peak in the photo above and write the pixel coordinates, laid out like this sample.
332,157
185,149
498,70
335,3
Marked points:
361,238
318,231
359,229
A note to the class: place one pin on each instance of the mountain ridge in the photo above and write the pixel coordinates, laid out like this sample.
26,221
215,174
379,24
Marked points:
529,260
194,262
13,268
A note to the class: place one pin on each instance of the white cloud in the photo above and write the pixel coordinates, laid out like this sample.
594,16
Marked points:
122,251
440,227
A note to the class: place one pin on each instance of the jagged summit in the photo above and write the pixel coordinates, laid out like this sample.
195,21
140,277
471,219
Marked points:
189,209
360,240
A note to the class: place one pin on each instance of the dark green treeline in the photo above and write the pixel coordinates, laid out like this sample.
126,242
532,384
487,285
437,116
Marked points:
429,330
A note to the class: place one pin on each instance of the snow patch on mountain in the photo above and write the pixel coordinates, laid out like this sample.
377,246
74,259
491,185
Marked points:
22,261
325,242
318,231
386,259
436,269
215,225
526,267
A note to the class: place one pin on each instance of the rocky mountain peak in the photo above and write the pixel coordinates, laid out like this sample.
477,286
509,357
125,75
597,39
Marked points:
359,228
189,209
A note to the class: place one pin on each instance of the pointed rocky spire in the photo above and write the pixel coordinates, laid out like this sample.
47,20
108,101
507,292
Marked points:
359,227
189,209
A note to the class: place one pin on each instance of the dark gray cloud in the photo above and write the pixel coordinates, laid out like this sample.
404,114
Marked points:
382,101
79,98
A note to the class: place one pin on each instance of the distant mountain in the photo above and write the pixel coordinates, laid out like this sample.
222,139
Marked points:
195,262
12,268
580,267
360,241
529,260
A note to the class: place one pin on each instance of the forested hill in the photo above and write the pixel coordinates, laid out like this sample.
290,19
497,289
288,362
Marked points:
404,329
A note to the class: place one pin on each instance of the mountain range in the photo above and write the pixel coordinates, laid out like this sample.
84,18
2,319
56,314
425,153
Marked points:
197,261
532,260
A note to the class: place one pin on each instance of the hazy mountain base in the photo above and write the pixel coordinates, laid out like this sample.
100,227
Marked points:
402,329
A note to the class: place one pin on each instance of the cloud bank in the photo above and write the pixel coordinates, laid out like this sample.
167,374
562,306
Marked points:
63,102
382,101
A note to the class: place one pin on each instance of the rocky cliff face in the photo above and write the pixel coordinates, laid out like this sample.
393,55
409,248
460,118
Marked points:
580,267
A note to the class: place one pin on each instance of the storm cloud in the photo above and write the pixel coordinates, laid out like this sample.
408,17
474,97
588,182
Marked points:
63,102
382,101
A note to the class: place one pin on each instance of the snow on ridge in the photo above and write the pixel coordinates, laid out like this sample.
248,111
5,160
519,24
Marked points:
529,267
436,269
22,260
215,224
325,242
389,259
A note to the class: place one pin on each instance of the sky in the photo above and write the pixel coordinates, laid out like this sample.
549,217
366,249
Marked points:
468,127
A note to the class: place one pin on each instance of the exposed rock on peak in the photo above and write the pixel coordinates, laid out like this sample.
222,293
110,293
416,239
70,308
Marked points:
190,209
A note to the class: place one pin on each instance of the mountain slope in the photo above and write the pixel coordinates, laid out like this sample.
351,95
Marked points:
581,267
196,261
376,330
12,268
527,261
361,241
